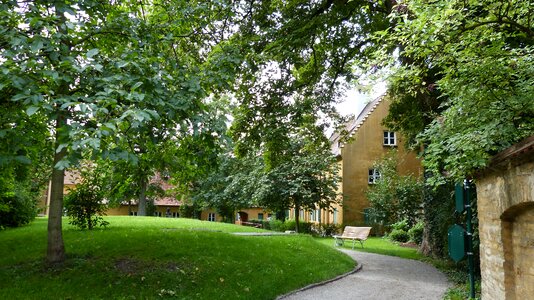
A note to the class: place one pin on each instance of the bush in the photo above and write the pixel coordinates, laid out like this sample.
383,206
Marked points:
84,208
399,235
16,209
276,225
416,233
401,225
18,204
325,229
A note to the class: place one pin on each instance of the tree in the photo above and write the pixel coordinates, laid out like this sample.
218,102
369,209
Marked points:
395,197
304,175
85,204
481,54
24,156
299,53
97,71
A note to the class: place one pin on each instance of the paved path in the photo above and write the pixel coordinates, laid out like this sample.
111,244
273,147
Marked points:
382,277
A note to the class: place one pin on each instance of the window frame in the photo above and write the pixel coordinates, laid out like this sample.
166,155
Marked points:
387,137
373,176
212,217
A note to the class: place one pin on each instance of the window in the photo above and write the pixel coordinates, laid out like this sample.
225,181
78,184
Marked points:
318,215
175,214
133,213
211,217
157,214
335,216
260,216
374,176
390,138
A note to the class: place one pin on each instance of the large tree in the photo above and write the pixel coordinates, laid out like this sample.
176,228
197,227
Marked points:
477,57
99,70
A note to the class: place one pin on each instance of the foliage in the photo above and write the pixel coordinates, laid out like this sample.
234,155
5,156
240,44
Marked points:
395,197
299,54
209,263
399,235
466,67
108,77
17,202
438,216
84,205
229,187
401,225
416,232
329,229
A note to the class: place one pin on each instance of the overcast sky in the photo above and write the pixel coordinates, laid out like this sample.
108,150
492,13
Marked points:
356,101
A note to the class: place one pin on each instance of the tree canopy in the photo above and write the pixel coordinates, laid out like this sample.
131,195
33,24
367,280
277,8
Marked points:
471,62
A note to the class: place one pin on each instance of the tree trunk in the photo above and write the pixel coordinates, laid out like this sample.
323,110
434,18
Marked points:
297,217
56,249
141,207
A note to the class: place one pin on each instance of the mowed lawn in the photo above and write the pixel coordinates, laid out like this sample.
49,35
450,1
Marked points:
161,258
379,245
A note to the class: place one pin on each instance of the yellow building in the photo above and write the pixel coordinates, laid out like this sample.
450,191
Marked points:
164,206
370,141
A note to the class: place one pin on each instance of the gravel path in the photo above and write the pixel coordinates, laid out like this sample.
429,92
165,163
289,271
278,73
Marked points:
381,277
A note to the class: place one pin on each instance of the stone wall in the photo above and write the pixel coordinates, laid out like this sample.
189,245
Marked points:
505,193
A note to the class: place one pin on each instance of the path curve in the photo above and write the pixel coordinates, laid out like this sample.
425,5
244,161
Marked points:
381,277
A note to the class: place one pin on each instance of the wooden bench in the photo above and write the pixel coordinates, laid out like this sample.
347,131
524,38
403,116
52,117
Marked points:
359,234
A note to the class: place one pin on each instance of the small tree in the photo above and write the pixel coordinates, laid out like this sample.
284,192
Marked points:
394,197
85,203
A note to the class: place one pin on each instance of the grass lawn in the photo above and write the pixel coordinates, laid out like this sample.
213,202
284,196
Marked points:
378,245
160,258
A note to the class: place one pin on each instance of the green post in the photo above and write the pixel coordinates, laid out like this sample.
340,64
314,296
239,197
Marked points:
470,254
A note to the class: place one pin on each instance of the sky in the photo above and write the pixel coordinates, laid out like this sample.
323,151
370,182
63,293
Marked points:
355,101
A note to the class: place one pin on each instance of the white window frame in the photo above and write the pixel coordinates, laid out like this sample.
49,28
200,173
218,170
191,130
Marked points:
211,217
390,138
373,176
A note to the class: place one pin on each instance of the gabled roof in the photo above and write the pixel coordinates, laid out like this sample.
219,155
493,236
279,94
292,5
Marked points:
353,125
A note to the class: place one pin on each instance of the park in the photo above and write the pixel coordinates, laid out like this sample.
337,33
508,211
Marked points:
198,149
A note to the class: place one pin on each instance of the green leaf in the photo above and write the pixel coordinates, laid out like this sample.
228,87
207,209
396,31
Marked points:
92,52
32,110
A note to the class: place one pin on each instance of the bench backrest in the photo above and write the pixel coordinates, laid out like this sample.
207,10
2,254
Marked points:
356,232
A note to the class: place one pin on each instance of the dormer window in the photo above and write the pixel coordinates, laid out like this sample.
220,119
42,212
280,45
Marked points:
390,138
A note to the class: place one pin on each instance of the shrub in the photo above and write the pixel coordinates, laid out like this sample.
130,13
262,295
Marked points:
401,225
276,225
18,204
84,204
84,208
416,233
325,229
399,235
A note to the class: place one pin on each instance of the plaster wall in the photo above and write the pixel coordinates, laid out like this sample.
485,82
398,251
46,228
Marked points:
359,155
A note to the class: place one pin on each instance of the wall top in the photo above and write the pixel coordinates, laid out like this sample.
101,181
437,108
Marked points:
517,154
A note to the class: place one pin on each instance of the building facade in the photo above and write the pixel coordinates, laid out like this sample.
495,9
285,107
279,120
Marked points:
369,142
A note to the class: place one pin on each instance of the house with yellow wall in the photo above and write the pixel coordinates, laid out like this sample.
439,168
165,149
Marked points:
369,142
165,206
